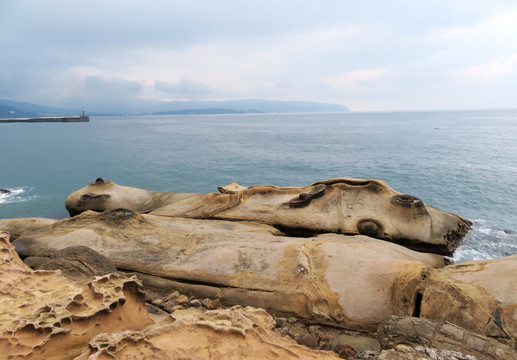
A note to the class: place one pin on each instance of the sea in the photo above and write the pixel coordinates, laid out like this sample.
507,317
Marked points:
463,162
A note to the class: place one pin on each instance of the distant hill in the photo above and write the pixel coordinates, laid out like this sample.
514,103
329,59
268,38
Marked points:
206,111
265,106
14,109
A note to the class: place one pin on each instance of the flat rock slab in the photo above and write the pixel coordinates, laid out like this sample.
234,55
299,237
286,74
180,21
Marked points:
343,281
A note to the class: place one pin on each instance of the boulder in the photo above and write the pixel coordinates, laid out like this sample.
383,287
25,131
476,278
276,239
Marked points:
77,263
329,279
479,296
236,333
410,331
47,316
103,195
344,206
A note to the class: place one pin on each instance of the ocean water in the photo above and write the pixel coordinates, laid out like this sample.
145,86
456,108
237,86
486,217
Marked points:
460,161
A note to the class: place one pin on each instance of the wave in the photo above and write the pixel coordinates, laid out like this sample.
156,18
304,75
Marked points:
483,242
16,195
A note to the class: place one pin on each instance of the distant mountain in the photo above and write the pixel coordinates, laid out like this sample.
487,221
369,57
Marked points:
266,106
206,111
14,109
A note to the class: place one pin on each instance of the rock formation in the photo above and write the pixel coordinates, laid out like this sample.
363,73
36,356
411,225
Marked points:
479,296
327,279
344,206
47,316
397,330
235,333
103,195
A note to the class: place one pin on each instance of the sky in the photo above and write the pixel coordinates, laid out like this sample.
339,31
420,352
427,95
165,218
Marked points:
368,55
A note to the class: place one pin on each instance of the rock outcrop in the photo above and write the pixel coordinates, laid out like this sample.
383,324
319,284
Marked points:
479,296
235,333
15,227
344,206
403,330
75,262
329,279
103,195
47,316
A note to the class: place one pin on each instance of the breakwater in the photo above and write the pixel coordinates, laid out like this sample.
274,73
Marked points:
47,119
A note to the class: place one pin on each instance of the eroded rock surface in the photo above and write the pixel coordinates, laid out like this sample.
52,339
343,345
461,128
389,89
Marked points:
480,296
236,333
75,262
103,195
330,279
345,206
403,330
47,316
15,227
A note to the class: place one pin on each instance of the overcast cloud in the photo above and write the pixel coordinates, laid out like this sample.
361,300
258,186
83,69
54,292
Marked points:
367,55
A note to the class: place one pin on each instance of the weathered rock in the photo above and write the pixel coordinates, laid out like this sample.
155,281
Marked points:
346,206
480,296
103,195
236,333
77,262
397,330
330,279
47,316
413,353
15,227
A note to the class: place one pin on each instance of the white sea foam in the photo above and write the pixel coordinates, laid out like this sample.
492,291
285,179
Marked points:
483,242
16,195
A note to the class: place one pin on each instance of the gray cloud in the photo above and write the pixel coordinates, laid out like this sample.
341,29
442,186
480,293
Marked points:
184,88
119,51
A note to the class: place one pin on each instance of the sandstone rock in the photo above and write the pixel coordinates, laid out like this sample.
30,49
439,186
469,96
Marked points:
480,296
78,262
330,279
347,206
236,333
410,331
103,195
17,226
47,316
416,353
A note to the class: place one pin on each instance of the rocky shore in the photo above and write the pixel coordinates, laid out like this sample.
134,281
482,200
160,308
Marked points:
342,268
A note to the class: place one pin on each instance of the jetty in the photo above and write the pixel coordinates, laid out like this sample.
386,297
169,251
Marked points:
82,118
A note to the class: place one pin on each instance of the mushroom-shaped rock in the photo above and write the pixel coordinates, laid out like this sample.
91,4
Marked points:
235,333
346,206
103,195
338,280
47,316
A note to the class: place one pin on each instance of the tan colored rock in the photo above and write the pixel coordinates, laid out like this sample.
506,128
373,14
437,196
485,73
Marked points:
47,316
397,330
236,333
480,296
77,263
103,195
346,206
15,227
330,279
